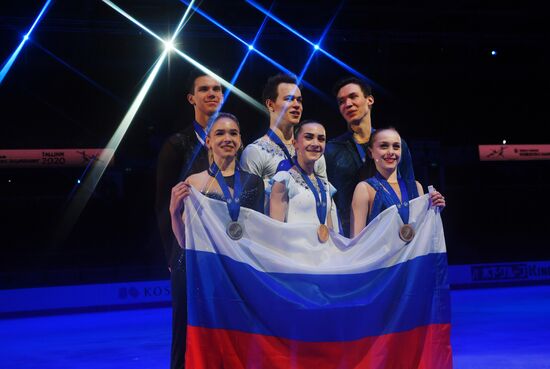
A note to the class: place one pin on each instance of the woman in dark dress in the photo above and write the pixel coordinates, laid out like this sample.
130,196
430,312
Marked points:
223,142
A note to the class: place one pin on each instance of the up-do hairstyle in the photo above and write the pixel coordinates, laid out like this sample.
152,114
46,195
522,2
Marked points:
365,87
270,88
222,115
193,75
298,127
378,131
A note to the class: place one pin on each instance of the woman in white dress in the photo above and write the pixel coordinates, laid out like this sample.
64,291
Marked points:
300,195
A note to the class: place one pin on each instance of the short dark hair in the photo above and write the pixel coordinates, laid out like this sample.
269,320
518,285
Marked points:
270,88
365,87
298,127
192,77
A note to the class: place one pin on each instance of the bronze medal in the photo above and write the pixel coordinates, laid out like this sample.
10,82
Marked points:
322,233
234,230
406,233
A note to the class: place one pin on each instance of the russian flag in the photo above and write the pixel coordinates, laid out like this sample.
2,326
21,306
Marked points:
278,298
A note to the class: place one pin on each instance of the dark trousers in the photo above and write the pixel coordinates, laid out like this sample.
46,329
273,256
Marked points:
179,314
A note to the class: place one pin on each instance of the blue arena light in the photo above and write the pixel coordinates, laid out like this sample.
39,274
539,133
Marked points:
9,62
316,47
299,35
241,66
257,51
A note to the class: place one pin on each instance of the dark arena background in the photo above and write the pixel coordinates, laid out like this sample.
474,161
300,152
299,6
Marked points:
451,76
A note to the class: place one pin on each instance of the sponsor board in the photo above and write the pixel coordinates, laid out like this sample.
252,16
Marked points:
52,158
514,152
84,296
499,273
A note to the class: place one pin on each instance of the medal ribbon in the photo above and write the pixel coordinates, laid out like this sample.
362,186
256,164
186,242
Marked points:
403,204
273,136
200,132
233,202
361,151
320,198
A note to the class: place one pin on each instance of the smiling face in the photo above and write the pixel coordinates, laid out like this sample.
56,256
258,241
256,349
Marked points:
386,150
287,108
310,142
206,97
353,104
224,138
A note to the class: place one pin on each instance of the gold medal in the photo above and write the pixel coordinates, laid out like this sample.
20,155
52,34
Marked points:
322,233
406,233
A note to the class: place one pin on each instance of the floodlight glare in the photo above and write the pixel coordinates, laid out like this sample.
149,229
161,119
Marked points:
9,62
250,47
316,47
169,45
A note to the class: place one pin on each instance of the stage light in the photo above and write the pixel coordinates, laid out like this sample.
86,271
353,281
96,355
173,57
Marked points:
250,47
493,52
326,53
169,45
82,195
9,62
260,53
316,47
192,61
78,181
504,142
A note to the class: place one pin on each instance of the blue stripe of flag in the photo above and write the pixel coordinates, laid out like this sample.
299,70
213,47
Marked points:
227,294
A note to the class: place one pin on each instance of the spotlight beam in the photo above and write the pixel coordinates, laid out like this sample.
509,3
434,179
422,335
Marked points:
250,48
257,51
82,195
183,21
9,62
317,46
226,84
132,19
192,61
299,35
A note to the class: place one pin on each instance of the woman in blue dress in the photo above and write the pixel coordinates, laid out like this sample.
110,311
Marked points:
386,188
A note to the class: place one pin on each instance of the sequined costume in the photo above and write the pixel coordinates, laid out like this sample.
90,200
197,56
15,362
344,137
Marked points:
252,196
301,202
